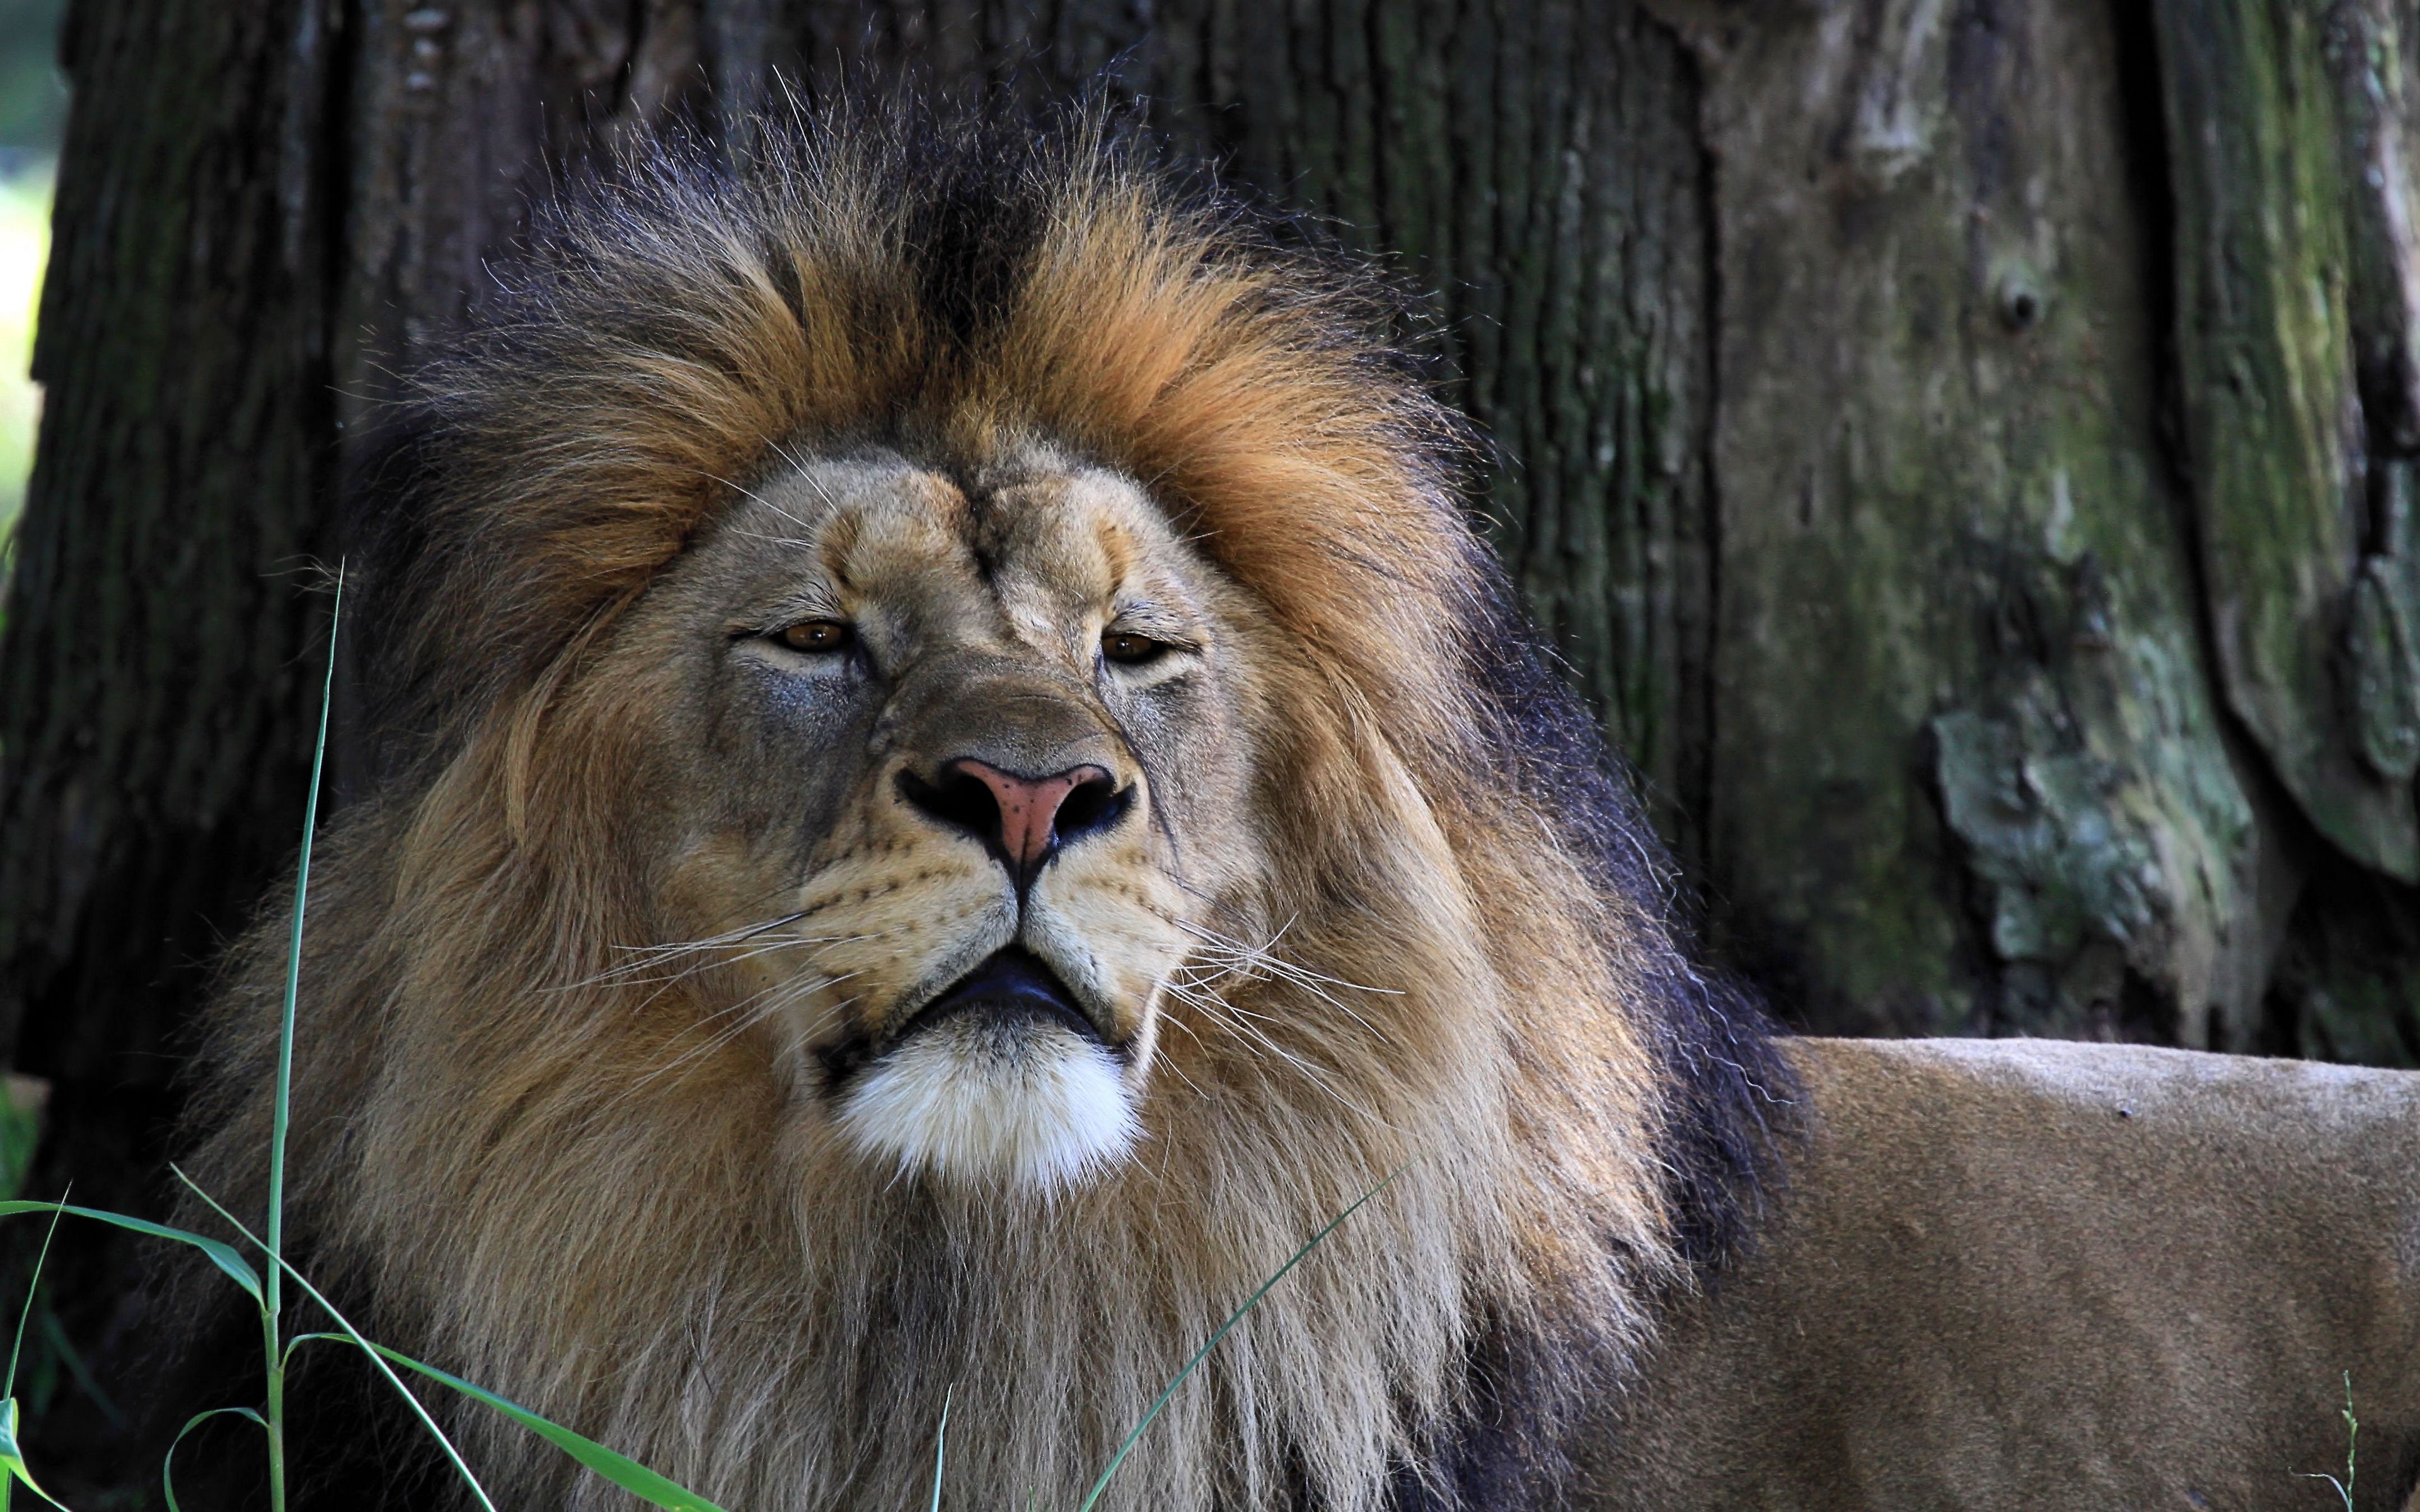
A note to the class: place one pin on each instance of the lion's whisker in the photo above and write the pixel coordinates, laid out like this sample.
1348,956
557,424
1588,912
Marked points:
652,955
1265,956
752,495
1228,956
821,942
703,964
1178,1071
756,1008
1219,1012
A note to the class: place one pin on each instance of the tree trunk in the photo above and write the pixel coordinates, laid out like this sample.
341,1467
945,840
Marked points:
1965,451
153,707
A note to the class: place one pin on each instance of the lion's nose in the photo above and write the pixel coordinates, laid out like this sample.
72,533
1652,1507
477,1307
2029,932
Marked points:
1021,819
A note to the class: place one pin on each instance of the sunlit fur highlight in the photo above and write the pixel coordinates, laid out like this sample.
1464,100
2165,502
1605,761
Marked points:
542,1169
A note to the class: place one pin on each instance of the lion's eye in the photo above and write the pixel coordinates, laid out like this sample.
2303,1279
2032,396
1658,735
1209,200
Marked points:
816,636
1125,646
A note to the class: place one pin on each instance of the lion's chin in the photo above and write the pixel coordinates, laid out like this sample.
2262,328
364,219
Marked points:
995,1104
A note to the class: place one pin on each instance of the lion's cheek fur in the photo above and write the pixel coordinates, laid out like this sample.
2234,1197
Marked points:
1115,923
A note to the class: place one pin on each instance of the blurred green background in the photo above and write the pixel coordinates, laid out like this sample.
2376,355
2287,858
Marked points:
33,110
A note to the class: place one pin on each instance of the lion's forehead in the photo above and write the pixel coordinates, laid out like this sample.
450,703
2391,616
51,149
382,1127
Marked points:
1023,548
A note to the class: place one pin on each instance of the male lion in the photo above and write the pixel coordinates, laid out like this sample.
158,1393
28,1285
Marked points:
962,786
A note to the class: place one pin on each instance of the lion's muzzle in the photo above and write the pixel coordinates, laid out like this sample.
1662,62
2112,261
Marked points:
1013,1054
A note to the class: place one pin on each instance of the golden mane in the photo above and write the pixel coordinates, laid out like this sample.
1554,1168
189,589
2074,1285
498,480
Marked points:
551,1173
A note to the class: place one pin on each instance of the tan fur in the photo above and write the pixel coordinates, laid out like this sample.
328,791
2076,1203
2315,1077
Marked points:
2014,1275
564,1179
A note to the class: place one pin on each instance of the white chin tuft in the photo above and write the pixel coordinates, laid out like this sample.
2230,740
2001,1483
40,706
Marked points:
1019,1102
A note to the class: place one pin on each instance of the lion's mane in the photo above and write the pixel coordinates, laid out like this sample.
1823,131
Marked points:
488,1148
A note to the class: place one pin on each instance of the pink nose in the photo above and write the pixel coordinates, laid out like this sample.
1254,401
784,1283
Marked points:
1028,806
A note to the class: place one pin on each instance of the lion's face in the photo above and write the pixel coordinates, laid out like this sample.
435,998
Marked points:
952,766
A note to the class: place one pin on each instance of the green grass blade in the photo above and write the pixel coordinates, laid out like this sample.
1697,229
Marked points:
300,1339
168,1460
353,1334
272,1311
1202,1353
942,1446
78,1370
16,1348
278,1118
223,1255
621,1470
2352,1437
13,1459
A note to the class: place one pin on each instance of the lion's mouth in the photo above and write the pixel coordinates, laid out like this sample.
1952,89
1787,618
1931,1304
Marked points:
1001,1076
1009,983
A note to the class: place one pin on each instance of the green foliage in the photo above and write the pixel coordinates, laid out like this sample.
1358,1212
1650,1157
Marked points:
620,1469
168,1460
33,92
222,1255
1202,1353
12,1459
24,245
941,1448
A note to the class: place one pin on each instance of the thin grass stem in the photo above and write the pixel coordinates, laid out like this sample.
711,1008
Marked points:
941,1445
272,1307
9,1389
1202,1353
409,1397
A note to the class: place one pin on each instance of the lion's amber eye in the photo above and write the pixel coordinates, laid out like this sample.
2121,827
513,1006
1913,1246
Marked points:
1120,645
816,634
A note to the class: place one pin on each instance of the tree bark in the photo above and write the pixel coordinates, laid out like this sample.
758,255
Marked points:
151,758
1964,449
1970,775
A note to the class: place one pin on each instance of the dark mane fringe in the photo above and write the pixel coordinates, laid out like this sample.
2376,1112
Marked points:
1723,1153
1739,1097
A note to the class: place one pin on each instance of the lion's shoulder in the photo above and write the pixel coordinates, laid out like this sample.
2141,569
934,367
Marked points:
2011,1265
2070,1092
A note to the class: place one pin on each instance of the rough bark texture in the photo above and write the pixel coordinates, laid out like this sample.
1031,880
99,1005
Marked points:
1965,448
1967,775
2281,453
151,766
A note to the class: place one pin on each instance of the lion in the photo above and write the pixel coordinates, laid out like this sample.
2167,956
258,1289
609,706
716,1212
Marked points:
958,784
